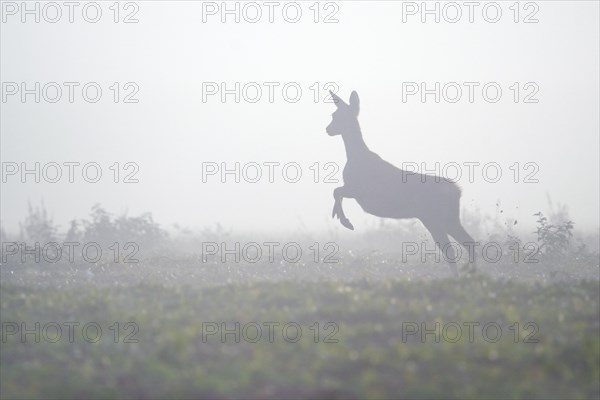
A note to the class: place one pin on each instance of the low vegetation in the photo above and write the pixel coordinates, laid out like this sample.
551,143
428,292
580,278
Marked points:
372,325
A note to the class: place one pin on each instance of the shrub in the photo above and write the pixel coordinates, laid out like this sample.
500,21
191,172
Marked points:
554,239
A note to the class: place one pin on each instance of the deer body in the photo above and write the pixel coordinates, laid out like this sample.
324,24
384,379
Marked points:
383,190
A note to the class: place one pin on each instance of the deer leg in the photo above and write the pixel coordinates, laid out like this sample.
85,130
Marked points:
338,211
440,237
458,232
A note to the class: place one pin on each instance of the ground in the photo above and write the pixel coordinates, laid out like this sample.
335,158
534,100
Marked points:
370,348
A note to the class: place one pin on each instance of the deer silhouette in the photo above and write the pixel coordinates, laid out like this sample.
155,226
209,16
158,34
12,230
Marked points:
383,190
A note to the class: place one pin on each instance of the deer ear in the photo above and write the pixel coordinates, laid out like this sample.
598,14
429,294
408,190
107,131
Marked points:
336,99
354,102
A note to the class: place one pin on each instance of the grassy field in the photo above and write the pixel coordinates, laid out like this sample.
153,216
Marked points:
369,350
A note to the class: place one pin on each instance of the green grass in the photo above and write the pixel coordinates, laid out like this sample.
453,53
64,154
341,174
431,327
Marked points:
370,360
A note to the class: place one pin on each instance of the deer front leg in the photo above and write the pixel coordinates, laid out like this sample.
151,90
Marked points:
338,195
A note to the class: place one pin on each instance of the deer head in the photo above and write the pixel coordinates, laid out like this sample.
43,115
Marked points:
345,117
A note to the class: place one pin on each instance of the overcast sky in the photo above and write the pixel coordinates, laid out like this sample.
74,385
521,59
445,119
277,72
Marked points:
170,57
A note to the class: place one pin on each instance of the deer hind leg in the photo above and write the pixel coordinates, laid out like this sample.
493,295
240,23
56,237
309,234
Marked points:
338,211
458,232
440,237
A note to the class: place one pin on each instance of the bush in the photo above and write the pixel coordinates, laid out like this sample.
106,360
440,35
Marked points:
38,227
102,228
554,239
105,229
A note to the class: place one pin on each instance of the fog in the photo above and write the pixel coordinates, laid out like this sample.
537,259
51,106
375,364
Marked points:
284,200
171,56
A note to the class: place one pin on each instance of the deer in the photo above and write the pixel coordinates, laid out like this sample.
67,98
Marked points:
385,191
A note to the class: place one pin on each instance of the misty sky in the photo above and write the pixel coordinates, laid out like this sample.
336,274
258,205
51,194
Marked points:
170,132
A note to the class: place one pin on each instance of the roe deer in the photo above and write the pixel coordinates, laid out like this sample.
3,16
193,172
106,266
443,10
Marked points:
386,191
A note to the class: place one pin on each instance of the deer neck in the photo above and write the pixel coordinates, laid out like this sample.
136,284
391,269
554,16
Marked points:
355,144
